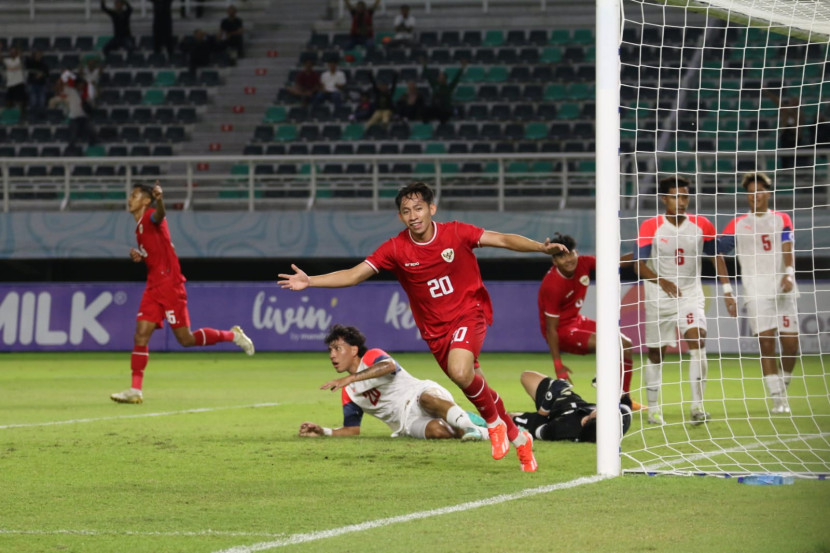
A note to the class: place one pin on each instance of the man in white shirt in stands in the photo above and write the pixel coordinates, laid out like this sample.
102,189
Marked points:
404,26
333,82
15,79
763,240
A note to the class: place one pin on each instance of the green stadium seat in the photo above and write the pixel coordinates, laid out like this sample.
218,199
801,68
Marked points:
464,93
536,131
449,168
473,74
551,54
435,148
275,114
286,133
583,36
555,92
353,131
420,131
153,97
541,167
568,111
560,36
424,168
96,151
580,91
587,166
497,74
165,78
102,41
10,116
518,167
493,38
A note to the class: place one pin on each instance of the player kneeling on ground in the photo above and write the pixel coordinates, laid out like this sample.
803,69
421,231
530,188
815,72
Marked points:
376,384
561,414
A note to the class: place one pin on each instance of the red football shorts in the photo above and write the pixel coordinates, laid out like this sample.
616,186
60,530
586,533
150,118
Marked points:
160,304
468,332
574,337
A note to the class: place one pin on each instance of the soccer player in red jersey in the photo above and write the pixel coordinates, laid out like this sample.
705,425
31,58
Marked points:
435,265
165,296
561,296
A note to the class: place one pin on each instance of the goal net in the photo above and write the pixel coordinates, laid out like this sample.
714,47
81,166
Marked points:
711,91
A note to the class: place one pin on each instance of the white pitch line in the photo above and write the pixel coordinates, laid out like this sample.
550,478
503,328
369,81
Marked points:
219,533
294,539
139,416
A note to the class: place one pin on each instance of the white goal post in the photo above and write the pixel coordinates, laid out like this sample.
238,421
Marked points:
711,90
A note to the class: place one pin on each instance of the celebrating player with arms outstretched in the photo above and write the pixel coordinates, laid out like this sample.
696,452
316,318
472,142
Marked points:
377,385
670,248
435,265
165,296
763,240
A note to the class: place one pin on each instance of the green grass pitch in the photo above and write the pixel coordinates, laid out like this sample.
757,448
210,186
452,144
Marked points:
212,462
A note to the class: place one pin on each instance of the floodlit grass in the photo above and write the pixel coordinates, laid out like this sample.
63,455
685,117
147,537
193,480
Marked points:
220,466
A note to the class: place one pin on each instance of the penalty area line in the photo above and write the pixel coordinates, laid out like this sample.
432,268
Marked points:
198,533
138,416
294,539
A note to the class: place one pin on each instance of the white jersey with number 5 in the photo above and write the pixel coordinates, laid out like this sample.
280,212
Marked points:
758,242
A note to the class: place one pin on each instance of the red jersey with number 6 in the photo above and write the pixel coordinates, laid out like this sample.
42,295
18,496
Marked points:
441,277
159,255
562,297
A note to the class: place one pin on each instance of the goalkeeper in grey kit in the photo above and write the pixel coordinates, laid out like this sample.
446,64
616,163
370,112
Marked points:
561,414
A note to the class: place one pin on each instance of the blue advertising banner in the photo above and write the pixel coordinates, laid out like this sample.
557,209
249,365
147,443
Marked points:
101,316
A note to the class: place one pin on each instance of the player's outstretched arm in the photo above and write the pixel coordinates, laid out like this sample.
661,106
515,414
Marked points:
519,243
311,430
158,196
338,279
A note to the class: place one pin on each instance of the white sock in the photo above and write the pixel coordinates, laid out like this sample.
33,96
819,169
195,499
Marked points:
520,440
458,418
136,390
653,375
775,387
787,378
697,377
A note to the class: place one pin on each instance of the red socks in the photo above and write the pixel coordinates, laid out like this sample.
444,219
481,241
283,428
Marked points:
479,395
512,429
210,336
628,368
138,361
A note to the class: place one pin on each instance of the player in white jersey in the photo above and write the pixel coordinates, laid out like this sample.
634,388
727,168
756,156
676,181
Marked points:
763,240
377,385
670,248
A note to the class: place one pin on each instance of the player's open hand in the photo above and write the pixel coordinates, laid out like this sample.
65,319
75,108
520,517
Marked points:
564,373
136,256
731,305
669,287
334,385
157,191
787,284
310,430
298,281
553,249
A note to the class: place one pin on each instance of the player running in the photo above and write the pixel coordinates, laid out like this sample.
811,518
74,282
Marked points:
670,248
763,240
561,296
376,384
164,296
436,266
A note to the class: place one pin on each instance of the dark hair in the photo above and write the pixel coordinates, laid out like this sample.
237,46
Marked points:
415,189
667,183
565,239
350,335
146,189
757,178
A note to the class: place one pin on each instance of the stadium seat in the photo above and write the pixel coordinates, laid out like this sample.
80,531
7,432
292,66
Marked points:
309,133
420,131
464,93
471,38
493,38
500,112
352,131
175,134
153,97
320,150
536,131
286,133
197,97
485,56
435,148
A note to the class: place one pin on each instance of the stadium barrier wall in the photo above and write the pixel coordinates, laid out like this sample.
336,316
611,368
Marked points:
101,316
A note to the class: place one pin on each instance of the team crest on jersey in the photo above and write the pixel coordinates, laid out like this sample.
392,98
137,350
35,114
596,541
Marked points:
448,255
584,280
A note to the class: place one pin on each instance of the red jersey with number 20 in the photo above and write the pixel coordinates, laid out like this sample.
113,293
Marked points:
562,297
441,277
159,255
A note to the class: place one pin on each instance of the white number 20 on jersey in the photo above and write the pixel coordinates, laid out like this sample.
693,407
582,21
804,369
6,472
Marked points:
440,287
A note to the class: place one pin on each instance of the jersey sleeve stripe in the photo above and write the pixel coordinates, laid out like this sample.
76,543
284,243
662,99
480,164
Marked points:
555,316
369,263
373,356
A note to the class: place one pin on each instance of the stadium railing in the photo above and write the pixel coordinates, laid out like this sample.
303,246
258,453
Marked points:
427,5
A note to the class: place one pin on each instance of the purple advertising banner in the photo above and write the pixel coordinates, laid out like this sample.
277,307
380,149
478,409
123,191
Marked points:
101,316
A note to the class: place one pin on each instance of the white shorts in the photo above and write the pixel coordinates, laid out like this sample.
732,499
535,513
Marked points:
778,312
415,419
664,316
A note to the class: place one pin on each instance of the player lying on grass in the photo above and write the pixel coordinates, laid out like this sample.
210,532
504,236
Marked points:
565,329
436,266
165,296
561,414
377,385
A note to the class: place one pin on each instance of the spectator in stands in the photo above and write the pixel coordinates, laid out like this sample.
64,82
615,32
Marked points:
306,83
384,101
362,32
231,33
122,36
441,107
404,25
333,84
91,74
38,81
364,108
790,123
70,100
199,50
15,79
411,105
162,26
